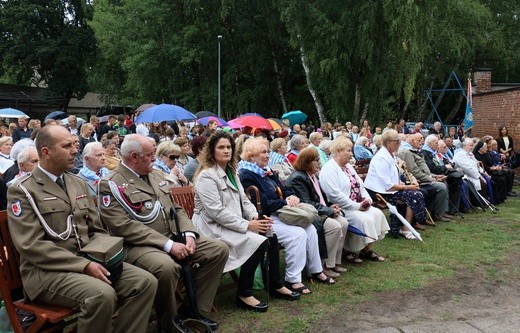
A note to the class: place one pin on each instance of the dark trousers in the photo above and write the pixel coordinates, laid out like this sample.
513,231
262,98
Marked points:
247,271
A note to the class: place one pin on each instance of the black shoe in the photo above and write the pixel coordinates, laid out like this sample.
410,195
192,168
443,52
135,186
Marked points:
185,313
293,296
211,323
260,307
178,326
511,194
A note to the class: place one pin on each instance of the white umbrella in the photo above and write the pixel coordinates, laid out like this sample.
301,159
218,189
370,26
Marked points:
394,211
79,119
11,113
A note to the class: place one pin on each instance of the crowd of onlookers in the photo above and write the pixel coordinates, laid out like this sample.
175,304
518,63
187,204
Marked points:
305,192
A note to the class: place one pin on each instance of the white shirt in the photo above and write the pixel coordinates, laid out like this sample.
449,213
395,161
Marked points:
382,172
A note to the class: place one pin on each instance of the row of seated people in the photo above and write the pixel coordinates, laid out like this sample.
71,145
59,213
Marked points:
134,202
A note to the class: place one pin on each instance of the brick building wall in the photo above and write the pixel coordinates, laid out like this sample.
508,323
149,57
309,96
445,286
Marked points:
495,109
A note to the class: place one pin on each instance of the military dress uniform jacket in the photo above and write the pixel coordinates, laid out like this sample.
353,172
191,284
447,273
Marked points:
41,255
142,195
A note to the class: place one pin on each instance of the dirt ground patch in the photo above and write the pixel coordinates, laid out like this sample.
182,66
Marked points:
487,291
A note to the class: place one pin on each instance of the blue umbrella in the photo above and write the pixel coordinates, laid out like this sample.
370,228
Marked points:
295,117
202,114
204,121
164,112
11,113
252,114
56,115
356,231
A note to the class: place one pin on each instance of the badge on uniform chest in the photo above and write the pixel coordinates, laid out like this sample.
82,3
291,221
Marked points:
148,205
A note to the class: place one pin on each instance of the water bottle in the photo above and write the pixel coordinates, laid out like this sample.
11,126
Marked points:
5,323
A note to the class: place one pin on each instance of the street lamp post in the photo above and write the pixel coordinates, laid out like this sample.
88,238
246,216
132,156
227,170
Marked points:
219,37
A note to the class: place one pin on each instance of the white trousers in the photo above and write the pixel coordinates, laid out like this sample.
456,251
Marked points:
301,249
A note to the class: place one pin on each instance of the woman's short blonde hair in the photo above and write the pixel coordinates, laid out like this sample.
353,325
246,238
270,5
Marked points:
339,144
252,147
277,143
167,148
5,139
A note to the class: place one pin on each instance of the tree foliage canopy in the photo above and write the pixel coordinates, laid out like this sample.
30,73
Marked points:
370,58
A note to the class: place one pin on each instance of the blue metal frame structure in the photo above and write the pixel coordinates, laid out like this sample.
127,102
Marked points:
453,77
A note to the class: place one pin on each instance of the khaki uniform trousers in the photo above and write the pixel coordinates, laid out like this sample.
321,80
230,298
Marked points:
210,254
96,300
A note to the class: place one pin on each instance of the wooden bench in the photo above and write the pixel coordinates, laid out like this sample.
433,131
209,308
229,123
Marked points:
185,197
48,318
361,168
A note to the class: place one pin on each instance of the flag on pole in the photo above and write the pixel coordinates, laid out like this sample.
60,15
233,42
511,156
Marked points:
468,119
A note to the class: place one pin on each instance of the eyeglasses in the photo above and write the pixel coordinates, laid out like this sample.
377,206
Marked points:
173,157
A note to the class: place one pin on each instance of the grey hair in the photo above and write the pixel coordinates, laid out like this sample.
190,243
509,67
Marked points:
325,144
89,147
130,145
361,139
466,142
19,146
314,135
297,140
23,155
430,138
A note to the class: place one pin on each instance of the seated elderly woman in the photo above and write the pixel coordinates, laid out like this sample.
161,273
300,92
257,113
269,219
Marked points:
277,160
343,186
165,157
383,178
465,161
498,177
223,211
301,244
297,143
361,151
324,151
333,225
93,169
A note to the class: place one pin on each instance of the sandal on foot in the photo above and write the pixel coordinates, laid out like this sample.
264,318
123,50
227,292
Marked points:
371,255
303,290
352,258
331,272
339,269
328,280
407,234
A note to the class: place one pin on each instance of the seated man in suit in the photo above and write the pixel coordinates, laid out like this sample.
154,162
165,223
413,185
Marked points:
50,229
135,204
433,186
438,165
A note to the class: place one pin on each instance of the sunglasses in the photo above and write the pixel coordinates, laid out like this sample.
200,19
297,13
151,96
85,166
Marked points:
173,157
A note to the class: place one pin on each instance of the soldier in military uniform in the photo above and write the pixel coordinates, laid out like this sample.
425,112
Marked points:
138,210
51,217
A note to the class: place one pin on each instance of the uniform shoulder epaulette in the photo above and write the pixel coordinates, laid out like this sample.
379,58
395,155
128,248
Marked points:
73,174
23,178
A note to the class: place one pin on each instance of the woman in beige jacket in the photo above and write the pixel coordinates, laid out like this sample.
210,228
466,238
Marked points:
222,211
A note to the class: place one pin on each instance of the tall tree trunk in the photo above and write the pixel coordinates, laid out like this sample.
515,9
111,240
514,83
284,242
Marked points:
357,103
314,94
278,78
363,115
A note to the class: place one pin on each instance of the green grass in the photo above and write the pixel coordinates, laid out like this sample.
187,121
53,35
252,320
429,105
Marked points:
479,241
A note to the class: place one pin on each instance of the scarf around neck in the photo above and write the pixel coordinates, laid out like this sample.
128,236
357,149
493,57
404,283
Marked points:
91,175
254,168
